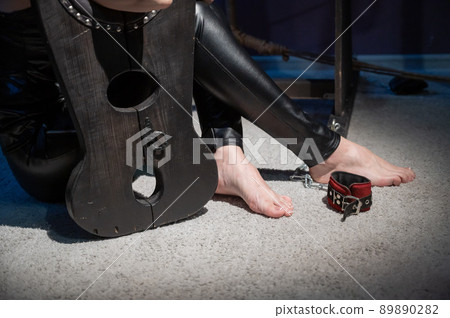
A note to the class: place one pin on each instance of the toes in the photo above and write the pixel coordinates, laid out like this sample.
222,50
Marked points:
289,213
387,181
266,207
273,210
288,206
287,201
396,181
412,174
407,175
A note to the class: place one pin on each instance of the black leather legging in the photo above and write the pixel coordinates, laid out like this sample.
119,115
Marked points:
226,71
228,85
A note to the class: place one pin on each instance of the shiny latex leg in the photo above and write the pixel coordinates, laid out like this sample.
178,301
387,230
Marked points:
226,70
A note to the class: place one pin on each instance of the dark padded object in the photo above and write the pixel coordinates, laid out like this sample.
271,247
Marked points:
407,86
36,133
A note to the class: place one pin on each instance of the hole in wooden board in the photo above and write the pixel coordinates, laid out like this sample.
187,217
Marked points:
130,89
145,186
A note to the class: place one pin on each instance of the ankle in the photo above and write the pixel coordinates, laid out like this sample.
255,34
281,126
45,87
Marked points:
345,153
230,155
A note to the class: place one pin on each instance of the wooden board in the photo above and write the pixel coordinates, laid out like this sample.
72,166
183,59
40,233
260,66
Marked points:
112,99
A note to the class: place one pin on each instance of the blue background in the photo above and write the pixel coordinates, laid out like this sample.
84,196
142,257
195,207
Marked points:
389,27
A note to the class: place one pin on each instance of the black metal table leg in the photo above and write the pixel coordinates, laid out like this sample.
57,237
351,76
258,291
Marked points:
344,78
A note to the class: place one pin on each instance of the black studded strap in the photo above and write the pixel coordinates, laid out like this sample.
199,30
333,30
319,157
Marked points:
83,12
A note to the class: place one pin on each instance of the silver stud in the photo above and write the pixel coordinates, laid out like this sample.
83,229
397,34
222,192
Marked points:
338,196
153,12
78,15
70,8
135,26
367,201
146,19
108,27
97,26
331,193
88,21
338,202
119,29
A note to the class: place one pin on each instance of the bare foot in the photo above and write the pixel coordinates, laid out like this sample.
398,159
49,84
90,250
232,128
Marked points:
353,158
240,178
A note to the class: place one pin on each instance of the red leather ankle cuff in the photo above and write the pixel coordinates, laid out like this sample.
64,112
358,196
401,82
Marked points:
349,193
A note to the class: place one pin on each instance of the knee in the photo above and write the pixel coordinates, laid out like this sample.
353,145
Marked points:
206,13
200,10
40,161
45,179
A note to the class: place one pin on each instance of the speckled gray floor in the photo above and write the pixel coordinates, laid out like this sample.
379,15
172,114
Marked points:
398,250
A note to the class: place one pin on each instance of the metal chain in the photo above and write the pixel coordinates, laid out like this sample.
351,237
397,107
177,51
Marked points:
301,174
